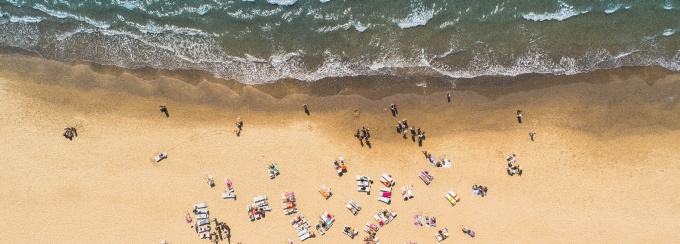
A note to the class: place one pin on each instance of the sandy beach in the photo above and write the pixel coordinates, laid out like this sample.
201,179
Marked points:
603,168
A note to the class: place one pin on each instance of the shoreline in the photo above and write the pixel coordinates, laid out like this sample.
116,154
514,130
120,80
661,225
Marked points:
604,155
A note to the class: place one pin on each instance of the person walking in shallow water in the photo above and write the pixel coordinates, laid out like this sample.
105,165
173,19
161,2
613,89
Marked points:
531,134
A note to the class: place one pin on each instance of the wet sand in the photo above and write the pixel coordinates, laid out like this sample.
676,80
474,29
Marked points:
603,168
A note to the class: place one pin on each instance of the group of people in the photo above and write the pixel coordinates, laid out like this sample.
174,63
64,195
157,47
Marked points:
363,134
70,132
479,190
403,128
513,167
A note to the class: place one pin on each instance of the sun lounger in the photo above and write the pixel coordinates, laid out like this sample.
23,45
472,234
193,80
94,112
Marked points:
355,204
327,220
363,178
201,211
204,228
386,180
447,163
305,236
384,199
363,183
260,198
202,222
160,157
320,229
229,194
204,235
201,216
432,222
364,189
385,189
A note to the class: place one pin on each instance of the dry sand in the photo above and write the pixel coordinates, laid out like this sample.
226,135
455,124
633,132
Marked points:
604,167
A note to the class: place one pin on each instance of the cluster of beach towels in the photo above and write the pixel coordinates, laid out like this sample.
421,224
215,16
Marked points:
202,220
420,220
301,227
289,205
340,166
350,231
384,217
426,177
386,190
364,184
326,220
325,192
353,207
452,197
406,192
257,209
513,167
229,193
273,170
442,234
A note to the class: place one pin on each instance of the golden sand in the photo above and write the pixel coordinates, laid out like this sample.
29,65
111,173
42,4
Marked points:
604,167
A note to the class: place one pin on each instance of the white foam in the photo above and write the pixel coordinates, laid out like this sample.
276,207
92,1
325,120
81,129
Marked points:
25,19
419,16
668,5
566,11
63,15
360,27
612,9
129,4
668,32
324,1
282,2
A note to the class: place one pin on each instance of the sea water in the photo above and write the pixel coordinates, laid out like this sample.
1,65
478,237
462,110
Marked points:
259,41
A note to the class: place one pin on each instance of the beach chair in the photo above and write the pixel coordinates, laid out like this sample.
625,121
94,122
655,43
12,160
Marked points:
260,198
204,228
201,205
385,189
160,157
305,236
355,204
384,199
352,209
201,211
228,194
363,178
202,222
204,235
364,189
432,222
201,216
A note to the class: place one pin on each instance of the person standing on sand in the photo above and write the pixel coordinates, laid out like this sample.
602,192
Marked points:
448,96
304,106
164,110
531,134
519,116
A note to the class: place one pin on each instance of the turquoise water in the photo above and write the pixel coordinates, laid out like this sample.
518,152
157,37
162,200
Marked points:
266,40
